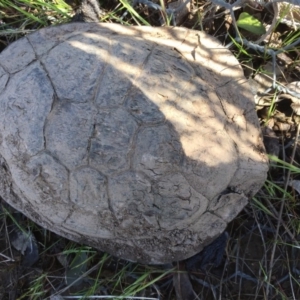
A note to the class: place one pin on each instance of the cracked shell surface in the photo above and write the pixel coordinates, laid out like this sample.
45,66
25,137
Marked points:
142,142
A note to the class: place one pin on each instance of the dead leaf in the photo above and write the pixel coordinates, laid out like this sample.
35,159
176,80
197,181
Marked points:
181,9
294,87
295,184
77,268
182,283
25,242
271,141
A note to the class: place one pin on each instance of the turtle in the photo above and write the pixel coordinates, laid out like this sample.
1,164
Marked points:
142,142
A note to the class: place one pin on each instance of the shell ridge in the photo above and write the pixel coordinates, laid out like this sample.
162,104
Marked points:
6,82
55,97
102,75
134,85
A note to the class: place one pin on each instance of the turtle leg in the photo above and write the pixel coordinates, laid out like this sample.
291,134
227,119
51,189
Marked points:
88,11
210,255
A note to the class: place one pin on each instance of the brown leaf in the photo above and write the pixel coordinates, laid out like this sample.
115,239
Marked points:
182,284
294,87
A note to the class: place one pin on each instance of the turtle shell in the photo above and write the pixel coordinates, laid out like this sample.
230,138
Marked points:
142,142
